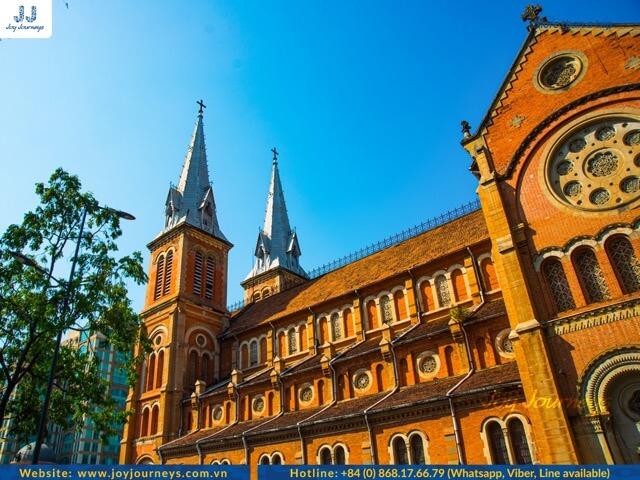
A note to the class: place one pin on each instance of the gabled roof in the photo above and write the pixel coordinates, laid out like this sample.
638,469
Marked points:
456,235
509,115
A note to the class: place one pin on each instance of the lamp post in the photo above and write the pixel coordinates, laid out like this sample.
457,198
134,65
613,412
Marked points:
42,424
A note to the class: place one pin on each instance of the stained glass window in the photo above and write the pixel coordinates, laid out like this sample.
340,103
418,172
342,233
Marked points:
557,281
596,289
442,289
497,444
385,306
336,327
626,263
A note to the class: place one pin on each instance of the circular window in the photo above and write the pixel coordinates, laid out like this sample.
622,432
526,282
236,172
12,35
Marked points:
158,339
217,413
428,364
362,380
306,394
258,404
201,340
504,345
595,167
560,71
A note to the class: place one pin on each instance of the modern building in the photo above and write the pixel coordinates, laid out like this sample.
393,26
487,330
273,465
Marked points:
508,334
77,445
82,445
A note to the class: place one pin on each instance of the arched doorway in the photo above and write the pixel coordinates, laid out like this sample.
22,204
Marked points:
610,390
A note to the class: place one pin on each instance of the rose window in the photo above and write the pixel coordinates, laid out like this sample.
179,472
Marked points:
362,381
596,166
428,364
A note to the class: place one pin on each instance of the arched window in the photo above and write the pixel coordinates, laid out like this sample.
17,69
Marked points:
497,444
626,263
167,273
276,459
339,456
325,456
489,277
386,309
151,365
400,451
372,315
253,353
193,365
144,424
264,460
417,450
519,443
155,412
593,281
159,368
197,274
400,305
558,284
208,286
292,341
442,290
336,327
159,277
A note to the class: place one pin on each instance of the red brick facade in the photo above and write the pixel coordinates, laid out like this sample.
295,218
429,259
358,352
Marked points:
510,334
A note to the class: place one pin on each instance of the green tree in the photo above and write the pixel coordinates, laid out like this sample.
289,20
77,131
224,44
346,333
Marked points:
37,303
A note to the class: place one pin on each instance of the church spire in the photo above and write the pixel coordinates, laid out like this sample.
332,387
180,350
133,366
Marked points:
192,200
277,244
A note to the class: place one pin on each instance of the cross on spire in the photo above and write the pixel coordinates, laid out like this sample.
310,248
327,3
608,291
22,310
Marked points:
202,105
275,155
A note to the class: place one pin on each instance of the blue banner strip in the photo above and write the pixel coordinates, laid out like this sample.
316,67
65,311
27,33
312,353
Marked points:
124,472
449,472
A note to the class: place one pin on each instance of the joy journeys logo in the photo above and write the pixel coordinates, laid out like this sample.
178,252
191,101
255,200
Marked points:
25,18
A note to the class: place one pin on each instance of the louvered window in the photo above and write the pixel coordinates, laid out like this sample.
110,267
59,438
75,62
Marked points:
208,287
557,280
197,274
159,276
167,273
596,289
626,263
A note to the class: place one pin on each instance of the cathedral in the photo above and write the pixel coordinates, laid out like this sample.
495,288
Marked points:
508,334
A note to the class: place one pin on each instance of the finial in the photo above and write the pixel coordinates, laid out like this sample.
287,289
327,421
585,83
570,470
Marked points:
275,155
531,13
466,128
202,105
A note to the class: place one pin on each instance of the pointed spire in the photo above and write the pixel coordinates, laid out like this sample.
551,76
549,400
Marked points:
192,200
277,244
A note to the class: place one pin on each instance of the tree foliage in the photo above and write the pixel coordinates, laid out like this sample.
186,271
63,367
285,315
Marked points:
38,303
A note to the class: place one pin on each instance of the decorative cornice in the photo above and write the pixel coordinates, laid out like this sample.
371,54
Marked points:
618,311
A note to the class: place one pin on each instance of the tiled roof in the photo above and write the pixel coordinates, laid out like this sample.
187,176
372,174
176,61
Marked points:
399,258
436,389
420,393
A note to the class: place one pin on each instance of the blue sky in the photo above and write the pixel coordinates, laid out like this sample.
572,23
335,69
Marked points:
363,100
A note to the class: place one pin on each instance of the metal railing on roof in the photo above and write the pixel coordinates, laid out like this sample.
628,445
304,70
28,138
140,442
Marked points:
387,242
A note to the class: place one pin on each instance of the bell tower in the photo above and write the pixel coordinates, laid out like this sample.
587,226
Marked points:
185,310
277,266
